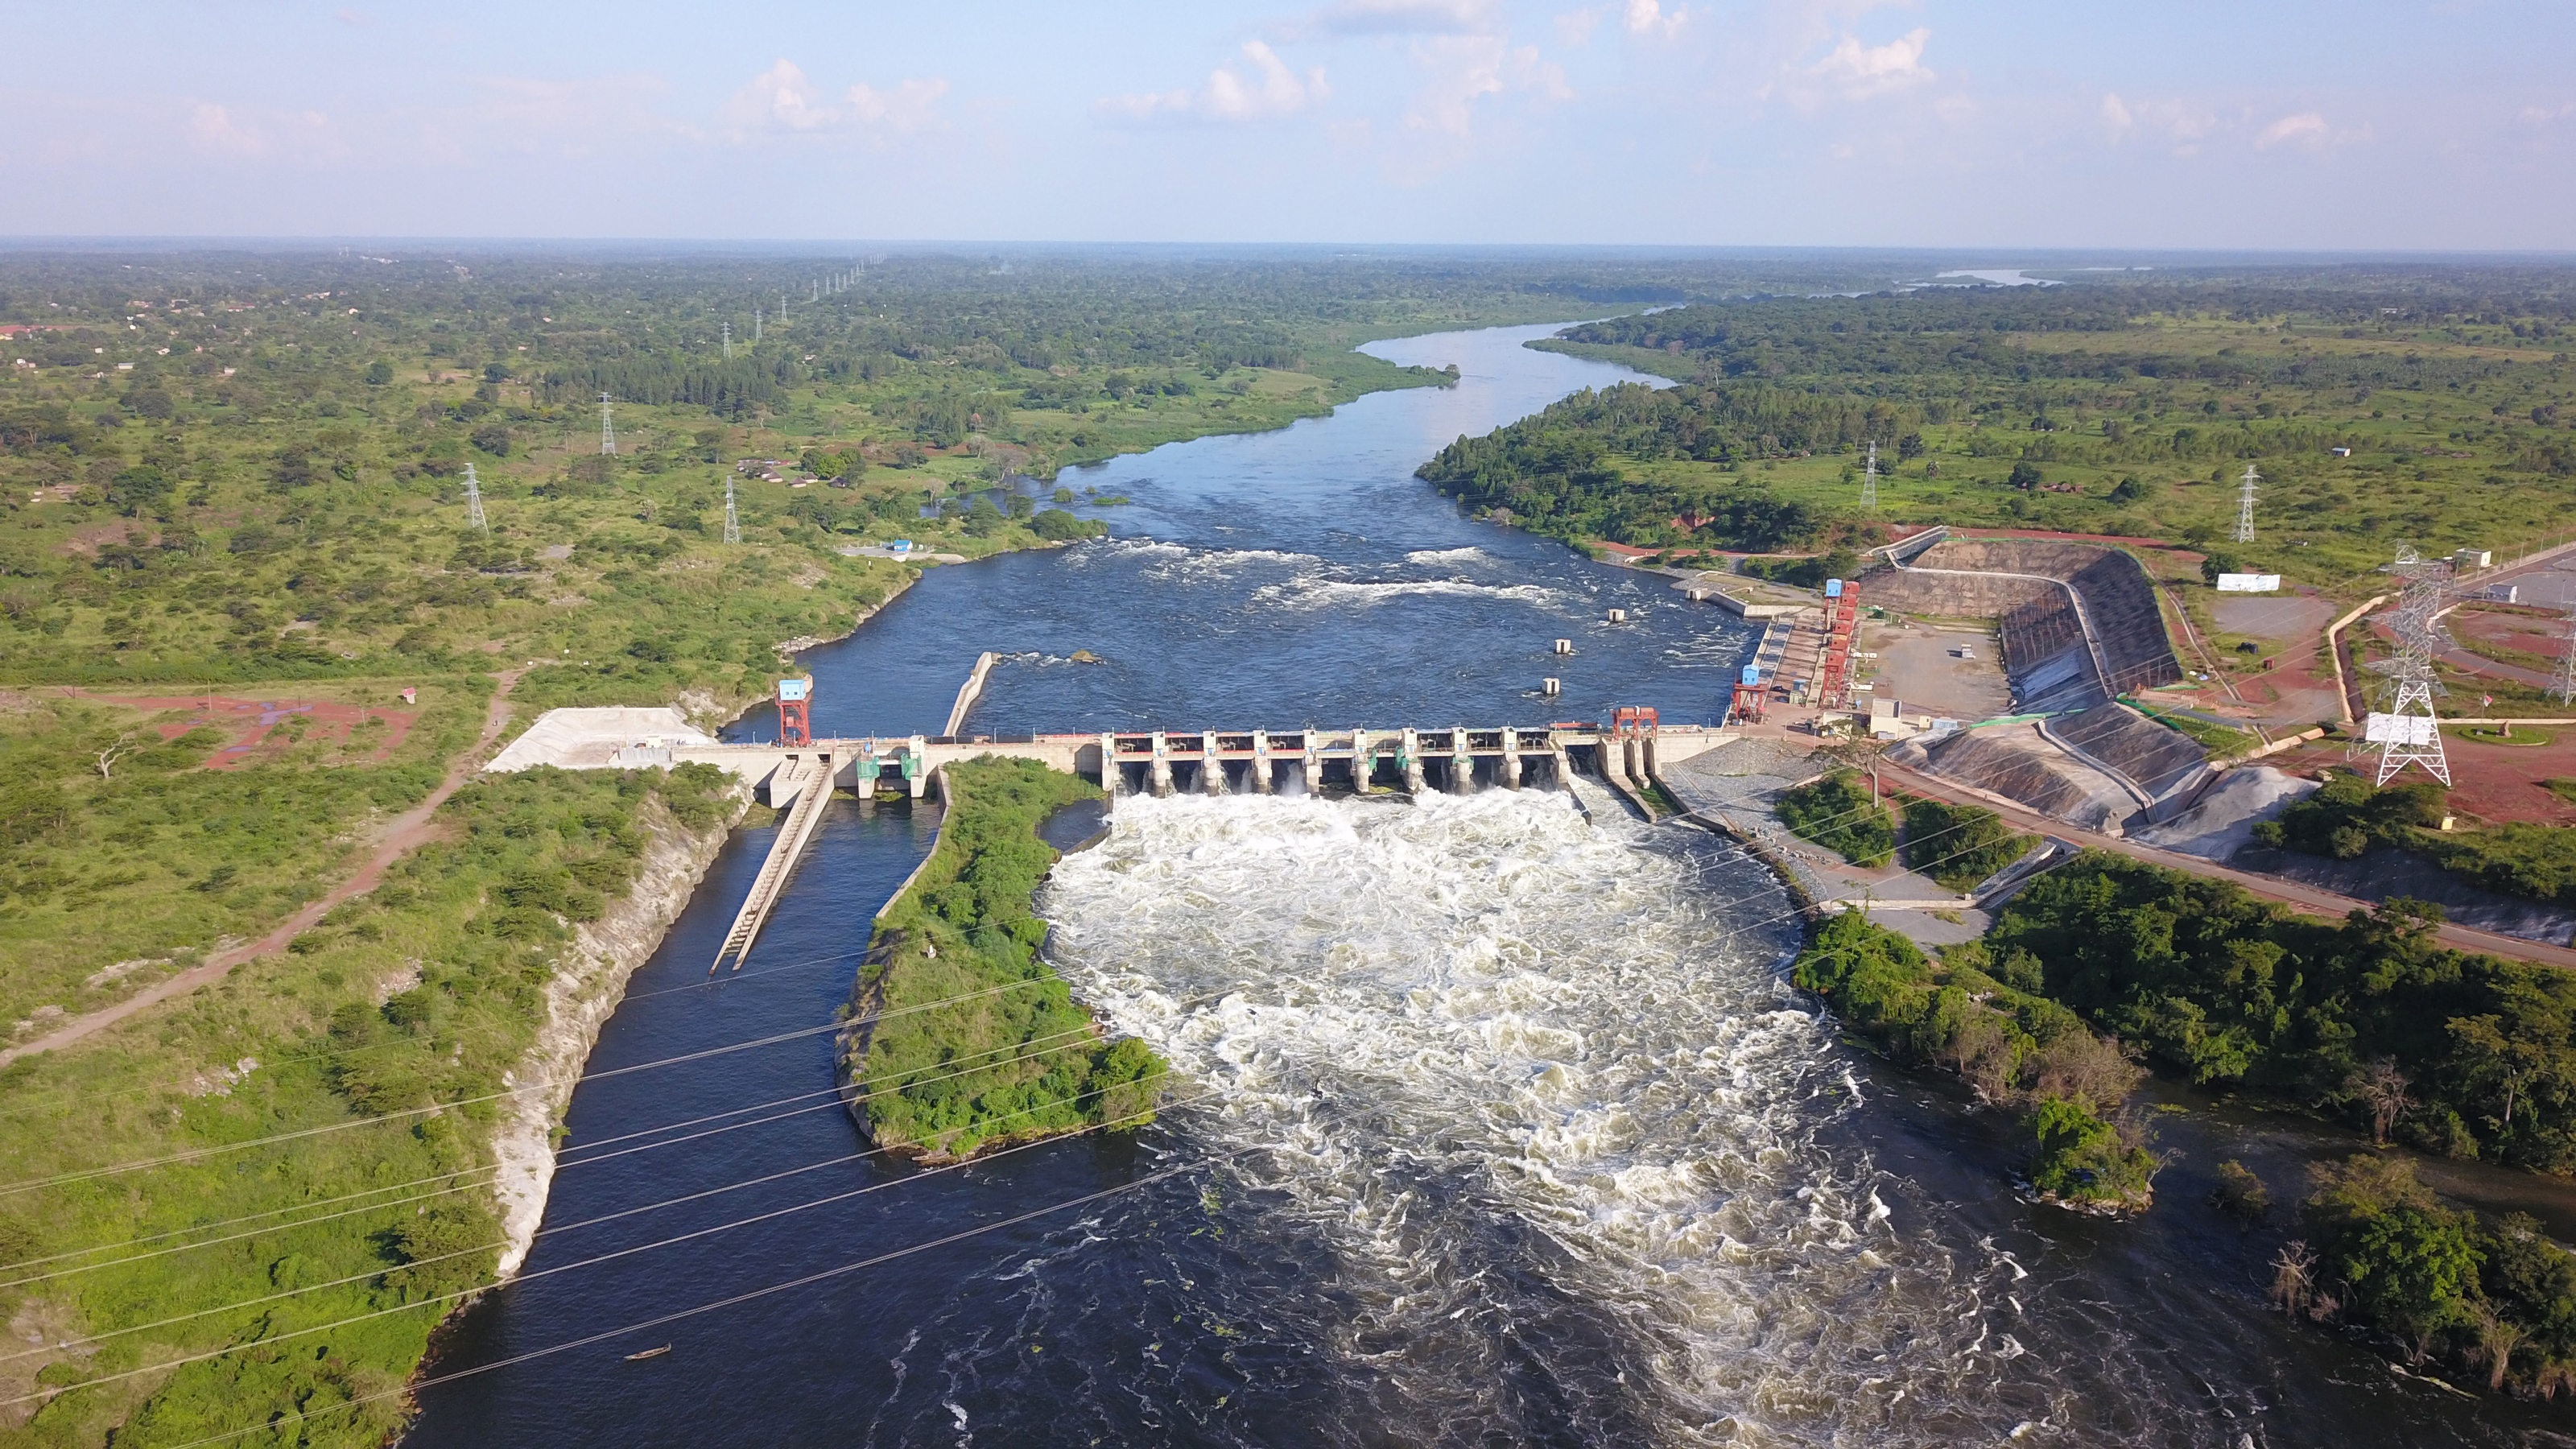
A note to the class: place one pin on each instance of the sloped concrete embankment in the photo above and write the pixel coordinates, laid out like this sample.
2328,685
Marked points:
586,989
2019,763
2167,766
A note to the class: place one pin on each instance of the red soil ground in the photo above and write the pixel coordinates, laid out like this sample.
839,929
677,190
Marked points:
250,723
2531,633
2498,783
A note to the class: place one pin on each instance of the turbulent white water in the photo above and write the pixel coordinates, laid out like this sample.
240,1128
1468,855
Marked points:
1534,1087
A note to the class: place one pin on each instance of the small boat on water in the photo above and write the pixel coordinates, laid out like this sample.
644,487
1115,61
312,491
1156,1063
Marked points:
649,1353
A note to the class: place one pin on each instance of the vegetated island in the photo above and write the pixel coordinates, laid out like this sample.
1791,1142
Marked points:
962,1038
2103,961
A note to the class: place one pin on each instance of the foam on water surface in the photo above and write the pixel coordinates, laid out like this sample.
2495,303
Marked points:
1514,1066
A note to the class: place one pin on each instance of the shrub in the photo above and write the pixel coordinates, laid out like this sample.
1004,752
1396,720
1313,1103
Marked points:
1837,813
2080,1158
2348,815
1959,845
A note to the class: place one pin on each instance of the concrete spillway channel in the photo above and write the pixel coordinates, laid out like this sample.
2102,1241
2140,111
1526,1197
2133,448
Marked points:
811,780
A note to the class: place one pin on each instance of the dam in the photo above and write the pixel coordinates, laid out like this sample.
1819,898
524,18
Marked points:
799,774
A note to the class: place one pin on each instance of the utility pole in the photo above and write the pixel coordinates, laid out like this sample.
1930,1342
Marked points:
2562,687
607,427
2245,504
474,504
733,525
1869,478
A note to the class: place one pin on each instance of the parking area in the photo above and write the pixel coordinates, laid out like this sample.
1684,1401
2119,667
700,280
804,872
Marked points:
1919,665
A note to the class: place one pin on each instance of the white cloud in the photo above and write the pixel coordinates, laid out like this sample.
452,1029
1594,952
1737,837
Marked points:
2183,123
1647,17
1405,17
1575,27
214,130
2116,117
906,108
1858,72
780,100
2307,128
1271,90
1464,69
2543,115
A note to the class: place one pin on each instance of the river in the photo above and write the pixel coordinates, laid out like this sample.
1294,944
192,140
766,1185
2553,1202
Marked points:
1495,1124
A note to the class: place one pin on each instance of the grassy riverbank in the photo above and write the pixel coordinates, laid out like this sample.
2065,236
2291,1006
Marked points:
428,991
1007,1054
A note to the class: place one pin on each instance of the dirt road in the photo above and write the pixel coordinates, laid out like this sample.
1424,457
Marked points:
2298,897
399,836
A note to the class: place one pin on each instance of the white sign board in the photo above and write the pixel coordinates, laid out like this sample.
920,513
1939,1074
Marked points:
2399,729
2248,583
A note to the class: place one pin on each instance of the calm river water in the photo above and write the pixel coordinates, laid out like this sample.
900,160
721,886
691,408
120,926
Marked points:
1495,1124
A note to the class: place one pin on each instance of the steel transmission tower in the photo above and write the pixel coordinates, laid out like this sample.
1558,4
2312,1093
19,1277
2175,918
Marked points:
2245,504
1869,479
733,525
607,427
474,503
2408,731
2562,686
728,340
755,324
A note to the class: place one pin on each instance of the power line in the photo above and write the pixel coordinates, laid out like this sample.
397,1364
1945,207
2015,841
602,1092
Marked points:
378,1272
196,1154
669,1241
629,1252
1055,1041
734,1301
660,1243
699,985
566,1160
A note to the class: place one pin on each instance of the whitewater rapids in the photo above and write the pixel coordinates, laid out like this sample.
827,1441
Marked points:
1527,1098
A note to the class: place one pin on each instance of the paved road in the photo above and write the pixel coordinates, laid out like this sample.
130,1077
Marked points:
399,836
2298,897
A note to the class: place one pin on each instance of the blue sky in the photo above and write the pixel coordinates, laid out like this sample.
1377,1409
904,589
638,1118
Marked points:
1707,122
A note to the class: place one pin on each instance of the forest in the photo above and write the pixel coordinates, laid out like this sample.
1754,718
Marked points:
2378,404
2364,1019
